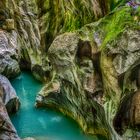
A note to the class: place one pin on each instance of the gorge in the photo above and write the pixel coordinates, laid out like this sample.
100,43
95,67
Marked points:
42,124
86,55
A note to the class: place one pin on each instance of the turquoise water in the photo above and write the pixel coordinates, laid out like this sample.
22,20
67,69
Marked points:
42,124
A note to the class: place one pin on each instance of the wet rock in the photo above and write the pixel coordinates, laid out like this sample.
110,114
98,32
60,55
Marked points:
88,65
41,73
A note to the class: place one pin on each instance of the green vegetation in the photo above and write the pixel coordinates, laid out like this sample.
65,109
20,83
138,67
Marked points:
61,16
116,3
66,15
117,23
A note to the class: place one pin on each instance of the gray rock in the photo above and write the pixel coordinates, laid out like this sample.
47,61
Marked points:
71,86
8,95
127,51
8,102
9,54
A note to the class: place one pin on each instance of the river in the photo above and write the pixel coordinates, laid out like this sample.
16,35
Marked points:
42,124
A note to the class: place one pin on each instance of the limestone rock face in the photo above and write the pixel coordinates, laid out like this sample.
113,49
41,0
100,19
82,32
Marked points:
93,70
19,25
7,130
127,51
77,14
89,73
135,109
9,56
9,103
70,89
8,95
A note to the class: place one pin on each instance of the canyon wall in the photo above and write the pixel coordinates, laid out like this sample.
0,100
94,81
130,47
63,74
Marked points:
87,56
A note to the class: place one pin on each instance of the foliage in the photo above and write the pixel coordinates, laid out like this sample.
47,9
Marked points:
59,16
116,3
115,24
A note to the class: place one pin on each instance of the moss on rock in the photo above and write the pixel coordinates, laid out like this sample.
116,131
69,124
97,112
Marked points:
105,38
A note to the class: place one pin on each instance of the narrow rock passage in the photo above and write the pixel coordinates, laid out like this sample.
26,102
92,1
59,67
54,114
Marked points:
40,123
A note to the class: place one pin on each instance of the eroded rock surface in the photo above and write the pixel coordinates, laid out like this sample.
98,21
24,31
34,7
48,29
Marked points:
8,95
89,73
92,73
7,130
9,56
71,89
21,38
9,103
